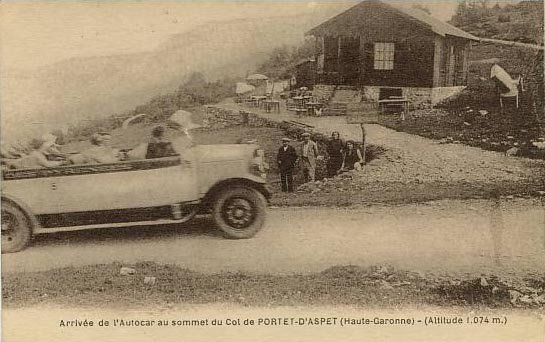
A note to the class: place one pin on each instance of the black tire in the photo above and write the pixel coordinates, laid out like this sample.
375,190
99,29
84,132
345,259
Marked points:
16,228
239,212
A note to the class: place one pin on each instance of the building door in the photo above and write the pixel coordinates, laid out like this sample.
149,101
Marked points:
331,54
450,66
459,53
350,60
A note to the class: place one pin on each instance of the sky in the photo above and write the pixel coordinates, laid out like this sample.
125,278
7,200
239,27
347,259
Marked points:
34,34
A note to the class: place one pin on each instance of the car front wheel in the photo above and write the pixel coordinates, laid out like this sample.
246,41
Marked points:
16,228
239,212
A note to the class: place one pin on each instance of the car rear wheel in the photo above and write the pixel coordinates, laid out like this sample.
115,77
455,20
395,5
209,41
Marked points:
16,228
239,212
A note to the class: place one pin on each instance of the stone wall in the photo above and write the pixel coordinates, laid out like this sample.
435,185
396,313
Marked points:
420,98
534,83
442,93
323,91
370,93
218,118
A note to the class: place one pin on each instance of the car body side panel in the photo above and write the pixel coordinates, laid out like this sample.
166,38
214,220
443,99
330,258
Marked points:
134,184
33,193
217,163
120,190
211,173
106,191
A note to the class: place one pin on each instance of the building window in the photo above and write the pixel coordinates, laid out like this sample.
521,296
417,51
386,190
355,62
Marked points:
331,54
384,56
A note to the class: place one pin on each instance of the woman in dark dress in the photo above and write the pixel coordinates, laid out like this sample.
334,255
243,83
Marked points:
353,159
335,152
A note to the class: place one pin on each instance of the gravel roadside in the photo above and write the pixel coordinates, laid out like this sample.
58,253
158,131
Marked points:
413,160
151,284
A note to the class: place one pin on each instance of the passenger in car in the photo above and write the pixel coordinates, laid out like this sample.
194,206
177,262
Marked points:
181,124
101,152
38,157
159,147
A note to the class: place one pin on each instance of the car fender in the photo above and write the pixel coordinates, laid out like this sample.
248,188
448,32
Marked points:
248,180
254,178
35,225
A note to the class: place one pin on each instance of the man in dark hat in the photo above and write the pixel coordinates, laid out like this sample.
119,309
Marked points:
159,147
286,159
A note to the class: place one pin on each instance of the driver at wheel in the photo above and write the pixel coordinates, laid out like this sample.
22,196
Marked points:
159,147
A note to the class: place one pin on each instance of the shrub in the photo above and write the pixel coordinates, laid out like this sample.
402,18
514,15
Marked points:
504,18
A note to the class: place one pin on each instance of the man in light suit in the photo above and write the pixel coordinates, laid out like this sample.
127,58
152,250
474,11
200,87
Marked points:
309,154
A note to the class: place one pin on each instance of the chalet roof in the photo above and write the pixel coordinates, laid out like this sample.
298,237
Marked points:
350,21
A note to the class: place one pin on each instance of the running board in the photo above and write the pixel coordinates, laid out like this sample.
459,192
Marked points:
42,230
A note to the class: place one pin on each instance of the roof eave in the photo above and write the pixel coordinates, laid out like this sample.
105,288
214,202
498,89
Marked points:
467,37
322,28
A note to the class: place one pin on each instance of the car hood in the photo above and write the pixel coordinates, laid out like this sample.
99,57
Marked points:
214,153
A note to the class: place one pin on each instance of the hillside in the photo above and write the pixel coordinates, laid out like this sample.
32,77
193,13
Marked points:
88,88
517,22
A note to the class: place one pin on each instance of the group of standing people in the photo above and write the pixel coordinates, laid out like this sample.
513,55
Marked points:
287,158
342,157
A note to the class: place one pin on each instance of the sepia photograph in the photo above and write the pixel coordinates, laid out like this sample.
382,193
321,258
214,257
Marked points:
340,170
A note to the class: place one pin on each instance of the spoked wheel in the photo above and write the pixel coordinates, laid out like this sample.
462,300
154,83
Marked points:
239,212
16,230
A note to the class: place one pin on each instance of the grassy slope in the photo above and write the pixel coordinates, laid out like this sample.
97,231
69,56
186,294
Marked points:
522,22
497,130
351,285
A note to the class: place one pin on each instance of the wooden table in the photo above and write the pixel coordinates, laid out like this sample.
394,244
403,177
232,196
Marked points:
299,102
258,100
272,105
402,102
312,107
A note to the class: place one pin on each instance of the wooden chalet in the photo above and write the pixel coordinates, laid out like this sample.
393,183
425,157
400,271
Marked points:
385,50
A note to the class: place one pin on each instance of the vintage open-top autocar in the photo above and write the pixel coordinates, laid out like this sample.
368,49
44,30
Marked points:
227,181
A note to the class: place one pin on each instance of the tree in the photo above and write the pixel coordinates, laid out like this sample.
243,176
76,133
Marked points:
471,12
282,60
276,64
195,79
305,50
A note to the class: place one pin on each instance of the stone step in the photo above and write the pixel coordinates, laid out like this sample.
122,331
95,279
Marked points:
346,87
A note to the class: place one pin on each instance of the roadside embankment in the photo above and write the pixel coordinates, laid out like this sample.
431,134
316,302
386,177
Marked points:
403,168
151,285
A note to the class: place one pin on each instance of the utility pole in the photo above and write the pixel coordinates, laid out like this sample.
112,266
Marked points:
363,147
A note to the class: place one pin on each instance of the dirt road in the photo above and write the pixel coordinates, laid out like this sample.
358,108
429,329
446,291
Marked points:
504,238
